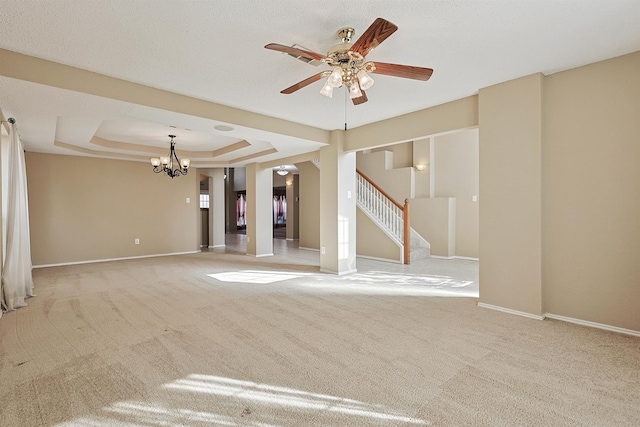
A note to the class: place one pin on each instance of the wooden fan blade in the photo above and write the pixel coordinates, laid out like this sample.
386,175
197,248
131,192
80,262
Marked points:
305,82
295,51
361,99
373,36
405,71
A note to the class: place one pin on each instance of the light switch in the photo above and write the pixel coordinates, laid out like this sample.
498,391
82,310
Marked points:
474,198
188,200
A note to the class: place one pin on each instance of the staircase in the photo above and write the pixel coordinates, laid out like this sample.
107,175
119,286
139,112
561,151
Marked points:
392,217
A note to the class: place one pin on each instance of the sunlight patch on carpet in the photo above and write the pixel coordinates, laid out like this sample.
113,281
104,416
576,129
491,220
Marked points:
261,277
233,402
284,397
385,283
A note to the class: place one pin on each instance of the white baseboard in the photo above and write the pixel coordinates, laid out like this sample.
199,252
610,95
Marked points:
593,324
217,246
455,257
61,264
563,319
309,249
291,240
510,311
260,256
395,261
342,273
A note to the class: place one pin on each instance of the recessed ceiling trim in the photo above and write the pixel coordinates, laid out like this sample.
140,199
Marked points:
132,157
230,148
306,157
254,156
100,153
117,145
126,146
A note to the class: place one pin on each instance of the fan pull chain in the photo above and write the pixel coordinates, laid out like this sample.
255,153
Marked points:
345,110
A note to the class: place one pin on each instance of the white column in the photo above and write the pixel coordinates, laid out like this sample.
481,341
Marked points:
337,207
216,209
259,210
293,211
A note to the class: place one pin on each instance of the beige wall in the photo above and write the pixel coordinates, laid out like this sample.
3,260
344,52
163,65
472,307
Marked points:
402,154
378,166
293,207
309,205
372,242
279,180
591,188
239,179
510,185
422,156
436,223
84,209
456,174
460,114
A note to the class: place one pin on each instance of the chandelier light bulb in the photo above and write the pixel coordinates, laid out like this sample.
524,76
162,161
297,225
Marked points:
365,79
327,90
335,78
354,91
185,163
164,160
155,162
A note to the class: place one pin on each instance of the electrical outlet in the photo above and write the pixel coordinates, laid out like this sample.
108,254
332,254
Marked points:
137,241
323,250
474,198
188,200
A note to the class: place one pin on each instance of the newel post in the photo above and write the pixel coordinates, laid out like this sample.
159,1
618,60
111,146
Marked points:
407,232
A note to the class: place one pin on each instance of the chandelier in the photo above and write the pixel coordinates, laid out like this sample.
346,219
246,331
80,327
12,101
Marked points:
170,164
282,171
349,68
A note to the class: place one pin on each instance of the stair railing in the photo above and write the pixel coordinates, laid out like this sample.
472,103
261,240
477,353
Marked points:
391,215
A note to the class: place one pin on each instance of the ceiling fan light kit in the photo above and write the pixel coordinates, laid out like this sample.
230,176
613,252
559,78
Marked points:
348,64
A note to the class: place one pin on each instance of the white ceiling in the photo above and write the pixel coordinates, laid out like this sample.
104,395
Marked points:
214,50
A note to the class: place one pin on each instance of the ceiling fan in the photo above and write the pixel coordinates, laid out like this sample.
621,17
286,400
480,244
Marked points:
348,64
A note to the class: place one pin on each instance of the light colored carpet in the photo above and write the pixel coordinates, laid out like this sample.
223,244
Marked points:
222,339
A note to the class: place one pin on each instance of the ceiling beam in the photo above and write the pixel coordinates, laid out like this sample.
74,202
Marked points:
29,68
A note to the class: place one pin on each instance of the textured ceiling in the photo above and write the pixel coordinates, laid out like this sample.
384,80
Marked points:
214,50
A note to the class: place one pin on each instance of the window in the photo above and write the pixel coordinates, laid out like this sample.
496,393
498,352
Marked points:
204,201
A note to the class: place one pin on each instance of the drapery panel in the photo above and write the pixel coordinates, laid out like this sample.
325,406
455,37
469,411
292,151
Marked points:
17,280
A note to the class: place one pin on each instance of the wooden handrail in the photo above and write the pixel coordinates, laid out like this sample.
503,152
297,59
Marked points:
384,193
405,217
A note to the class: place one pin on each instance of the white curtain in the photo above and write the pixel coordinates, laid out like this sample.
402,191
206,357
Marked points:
17,281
